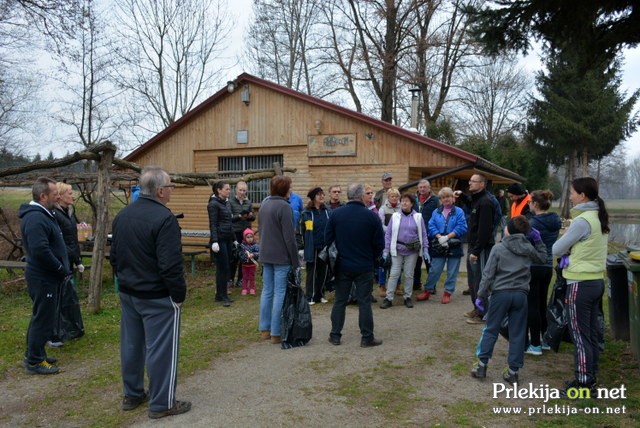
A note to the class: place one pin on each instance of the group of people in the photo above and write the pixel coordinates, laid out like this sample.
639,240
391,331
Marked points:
509,279
50,239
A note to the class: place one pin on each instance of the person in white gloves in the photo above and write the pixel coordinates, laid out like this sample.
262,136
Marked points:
222,238
447,222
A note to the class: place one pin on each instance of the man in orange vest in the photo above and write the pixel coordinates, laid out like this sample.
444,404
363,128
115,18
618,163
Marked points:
520,199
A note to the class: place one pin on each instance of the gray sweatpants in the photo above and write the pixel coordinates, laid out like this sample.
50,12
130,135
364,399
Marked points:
150,333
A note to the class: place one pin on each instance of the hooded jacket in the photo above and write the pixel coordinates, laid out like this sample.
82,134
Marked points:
548,224
508,266
43,243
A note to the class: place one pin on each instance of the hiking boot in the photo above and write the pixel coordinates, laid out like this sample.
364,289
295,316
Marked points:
408,303
424,296
509,377
578,391
386,303
479,371
42,368
475,320
180,408
471,314
226,302
533,350
276,340
383,291
265,335
370,343
446,297
50,360
130,403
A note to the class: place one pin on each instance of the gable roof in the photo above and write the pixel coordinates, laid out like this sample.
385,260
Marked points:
474,160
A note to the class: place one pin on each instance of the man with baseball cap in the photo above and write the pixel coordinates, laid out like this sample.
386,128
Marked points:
381,195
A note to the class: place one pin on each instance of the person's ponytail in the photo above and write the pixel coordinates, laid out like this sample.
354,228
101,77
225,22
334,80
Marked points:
603,215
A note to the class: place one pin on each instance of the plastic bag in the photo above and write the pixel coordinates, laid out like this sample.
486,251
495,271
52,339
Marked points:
297,327
68,324
557,329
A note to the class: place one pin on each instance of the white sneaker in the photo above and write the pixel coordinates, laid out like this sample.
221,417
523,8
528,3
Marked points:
323,300
51,344
311,303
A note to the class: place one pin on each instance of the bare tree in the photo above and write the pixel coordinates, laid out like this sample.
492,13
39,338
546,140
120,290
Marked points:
284,42
88,92
492,100
169,55
442,48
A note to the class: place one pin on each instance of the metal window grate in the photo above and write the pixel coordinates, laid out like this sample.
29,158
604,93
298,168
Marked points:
258,189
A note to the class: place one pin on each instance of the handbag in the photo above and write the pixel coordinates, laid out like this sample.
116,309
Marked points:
436,248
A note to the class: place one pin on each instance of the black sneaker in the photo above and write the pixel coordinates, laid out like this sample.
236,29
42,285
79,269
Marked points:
130,403
334,340
467,292
579,390
42,368
180,408
408,303
509,377
222,299
386,303
370,343
226,302
479,371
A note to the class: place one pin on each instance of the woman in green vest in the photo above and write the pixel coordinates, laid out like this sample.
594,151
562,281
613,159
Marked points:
583,251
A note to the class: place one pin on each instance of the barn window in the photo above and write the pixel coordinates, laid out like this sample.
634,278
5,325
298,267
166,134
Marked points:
258,189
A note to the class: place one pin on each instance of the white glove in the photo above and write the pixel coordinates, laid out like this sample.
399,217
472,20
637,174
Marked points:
80,268
442,239
385,254
426,257
215,247
235,243
301,254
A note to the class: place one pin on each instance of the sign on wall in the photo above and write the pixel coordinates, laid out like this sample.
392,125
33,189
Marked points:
332,145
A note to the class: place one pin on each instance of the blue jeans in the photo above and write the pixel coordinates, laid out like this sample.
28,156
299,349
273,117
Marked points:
437,266
274,286
511,304
363,282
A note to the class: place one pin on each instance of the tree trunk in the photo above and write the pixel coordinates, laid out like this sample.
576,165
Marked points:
102,194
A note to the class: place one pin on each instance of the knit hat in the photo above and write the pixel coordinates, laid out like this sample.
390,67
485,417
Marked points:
246,232
515,189
313,192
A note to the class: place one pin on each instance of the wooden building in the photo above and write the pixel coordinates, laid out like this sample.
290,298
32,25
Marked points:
253,122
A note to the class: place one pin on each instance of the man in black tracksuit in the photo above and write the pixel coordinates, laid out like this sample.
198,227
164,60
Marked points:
47,267
146,254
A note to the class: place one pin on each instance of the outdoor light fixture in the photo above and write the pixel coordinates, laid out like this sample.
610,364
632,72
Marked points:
244,96
231,86
318,126
415,92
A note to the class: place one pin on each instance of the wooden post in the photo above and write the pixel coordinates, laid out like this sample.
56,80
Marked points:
101,227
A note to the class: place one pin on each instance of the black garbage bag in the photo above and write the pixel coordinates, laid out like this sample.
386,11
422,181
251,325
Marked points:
297,328
557,328
68,323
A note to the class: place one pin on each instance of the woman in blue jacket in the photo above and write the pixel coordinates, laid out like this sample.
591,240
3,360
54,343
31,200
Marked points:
447,222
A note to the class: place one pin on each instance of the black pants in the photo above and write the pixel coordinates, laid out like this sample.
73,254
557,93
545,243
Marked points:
317,276
223,268
537,302
582,308
43,294
363,282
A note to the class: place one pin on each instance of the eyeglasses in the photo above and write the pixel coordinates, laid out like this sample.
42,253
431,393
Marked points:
336,191
369,193
475,181
173,186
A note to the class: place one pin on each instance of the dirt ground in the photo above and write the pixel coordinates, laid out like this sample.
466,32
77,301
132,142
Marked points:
420,376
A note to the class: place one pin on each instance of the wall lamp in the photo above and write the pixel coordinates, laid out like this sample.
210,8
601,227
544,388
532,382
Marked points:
244,96
231,86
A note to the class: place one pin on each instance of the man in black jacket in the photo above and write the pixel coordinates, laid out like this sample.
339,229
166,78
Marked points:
47,267
481,237
147,257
